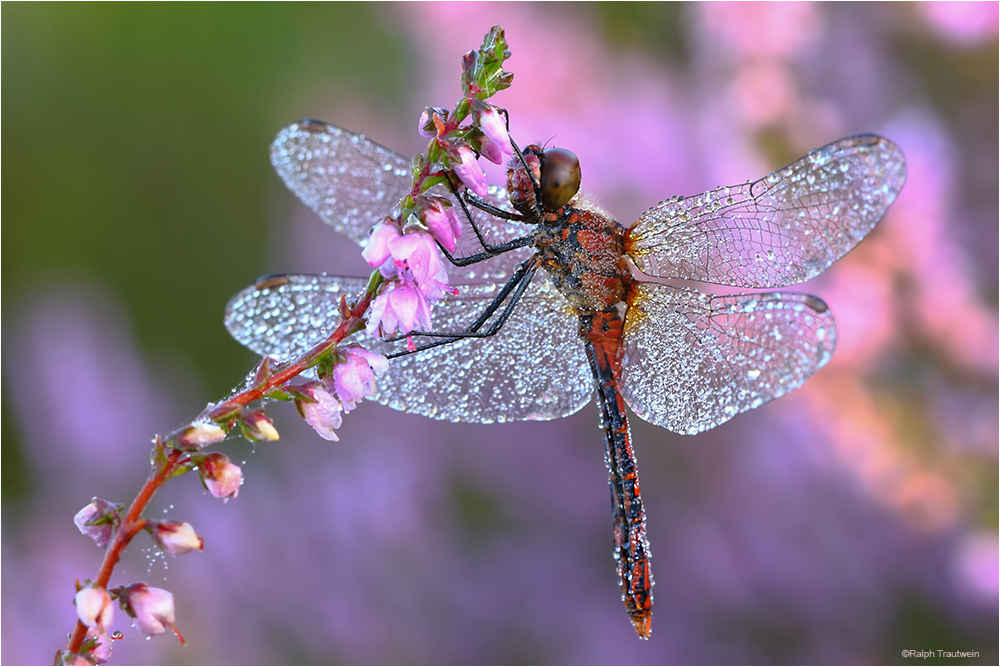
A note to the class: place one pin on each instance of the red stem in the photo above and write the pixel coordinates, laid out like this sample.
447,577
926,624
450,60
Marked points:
132,524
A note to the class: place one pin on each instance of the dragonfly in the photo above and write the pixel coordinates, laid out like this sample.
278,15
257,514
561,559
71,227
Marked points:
558,300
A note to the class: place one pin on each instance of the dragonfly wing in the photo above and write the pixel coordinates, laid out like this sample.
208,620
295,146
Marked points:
284,316
534,368
691,361
352,183
781,230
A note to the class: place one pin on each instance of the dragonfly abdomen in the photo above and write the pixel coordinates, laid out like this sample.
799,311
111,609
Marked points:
601,332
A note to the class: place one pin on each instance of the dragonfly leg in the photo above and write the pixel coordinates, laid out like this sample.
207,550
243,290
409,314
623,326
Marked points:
483,205
517,284
490,252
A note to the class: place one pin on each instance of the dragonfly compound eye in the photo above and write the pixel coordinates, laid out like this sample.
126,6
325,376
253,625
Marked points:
560,177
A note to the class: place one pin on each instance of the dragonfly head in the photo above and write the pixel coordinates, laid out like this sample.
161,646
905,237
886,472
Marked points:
554,178
560,178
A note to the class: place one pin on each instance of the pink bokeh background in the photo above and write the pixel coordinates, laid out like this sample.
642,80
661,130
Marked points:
841,524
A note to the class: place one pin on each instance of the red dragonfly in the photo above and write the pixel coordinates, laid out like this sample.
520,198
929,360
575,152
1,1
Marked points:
533,345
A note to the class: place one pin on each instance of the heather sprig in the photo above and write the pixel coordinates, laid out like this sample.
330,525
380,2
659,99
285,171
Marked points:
409,277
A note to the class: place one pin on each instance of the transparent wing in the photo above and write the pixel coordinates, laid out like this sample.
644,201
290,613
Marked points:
351,183
534,368
691,361
781,230
284,316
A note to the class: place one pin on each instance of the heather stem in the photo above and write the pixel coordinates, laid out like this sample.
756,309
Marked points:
174,459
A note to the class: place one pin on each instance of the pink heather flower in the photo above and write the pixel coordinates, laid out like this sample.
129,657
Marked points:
432,122
490,150
259,427
323,414
220,476
99,532
74,659
202,434
152,609
469,171
436,287
417,252
440,218
424,127
491,122
94,608
400,305
174,537
377,250
101,650
354,377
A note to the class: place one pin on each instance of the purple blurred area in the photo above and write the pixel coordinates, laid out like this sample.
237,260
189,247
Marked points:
842,524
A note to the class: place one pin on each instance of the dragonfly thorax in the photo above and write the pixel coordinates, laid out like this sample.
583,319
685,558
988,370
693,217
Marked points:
581,248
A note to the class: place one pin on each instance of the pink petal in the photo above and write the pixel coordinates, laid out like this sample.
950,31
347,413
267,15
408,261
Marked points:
404,300
443,224
378,363
324,414
495,128
418,252
376,252
470,173
100,533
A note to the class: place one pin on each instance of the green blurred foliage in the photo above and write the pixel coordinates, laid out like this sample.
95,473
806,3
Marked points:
656,27
135,153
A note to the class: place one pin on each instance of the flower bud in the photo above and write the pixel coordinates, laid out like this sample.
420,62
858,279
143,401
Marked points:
257,427
467,168
322,412
98,521
201,434
354,377
432,121
492,123
377,251
489,150
96,646
174,537
74,659
94,608
152,608
220,476
439,217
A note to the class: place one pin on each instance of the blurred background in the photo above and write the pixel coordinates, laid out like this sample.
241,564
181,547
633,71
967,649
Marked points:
844,523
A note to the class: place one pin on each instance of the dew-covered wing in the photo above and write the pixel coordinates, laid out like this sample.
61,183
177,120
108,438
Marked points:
283,316
691,361
534,368
781,230
349,180
352,183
